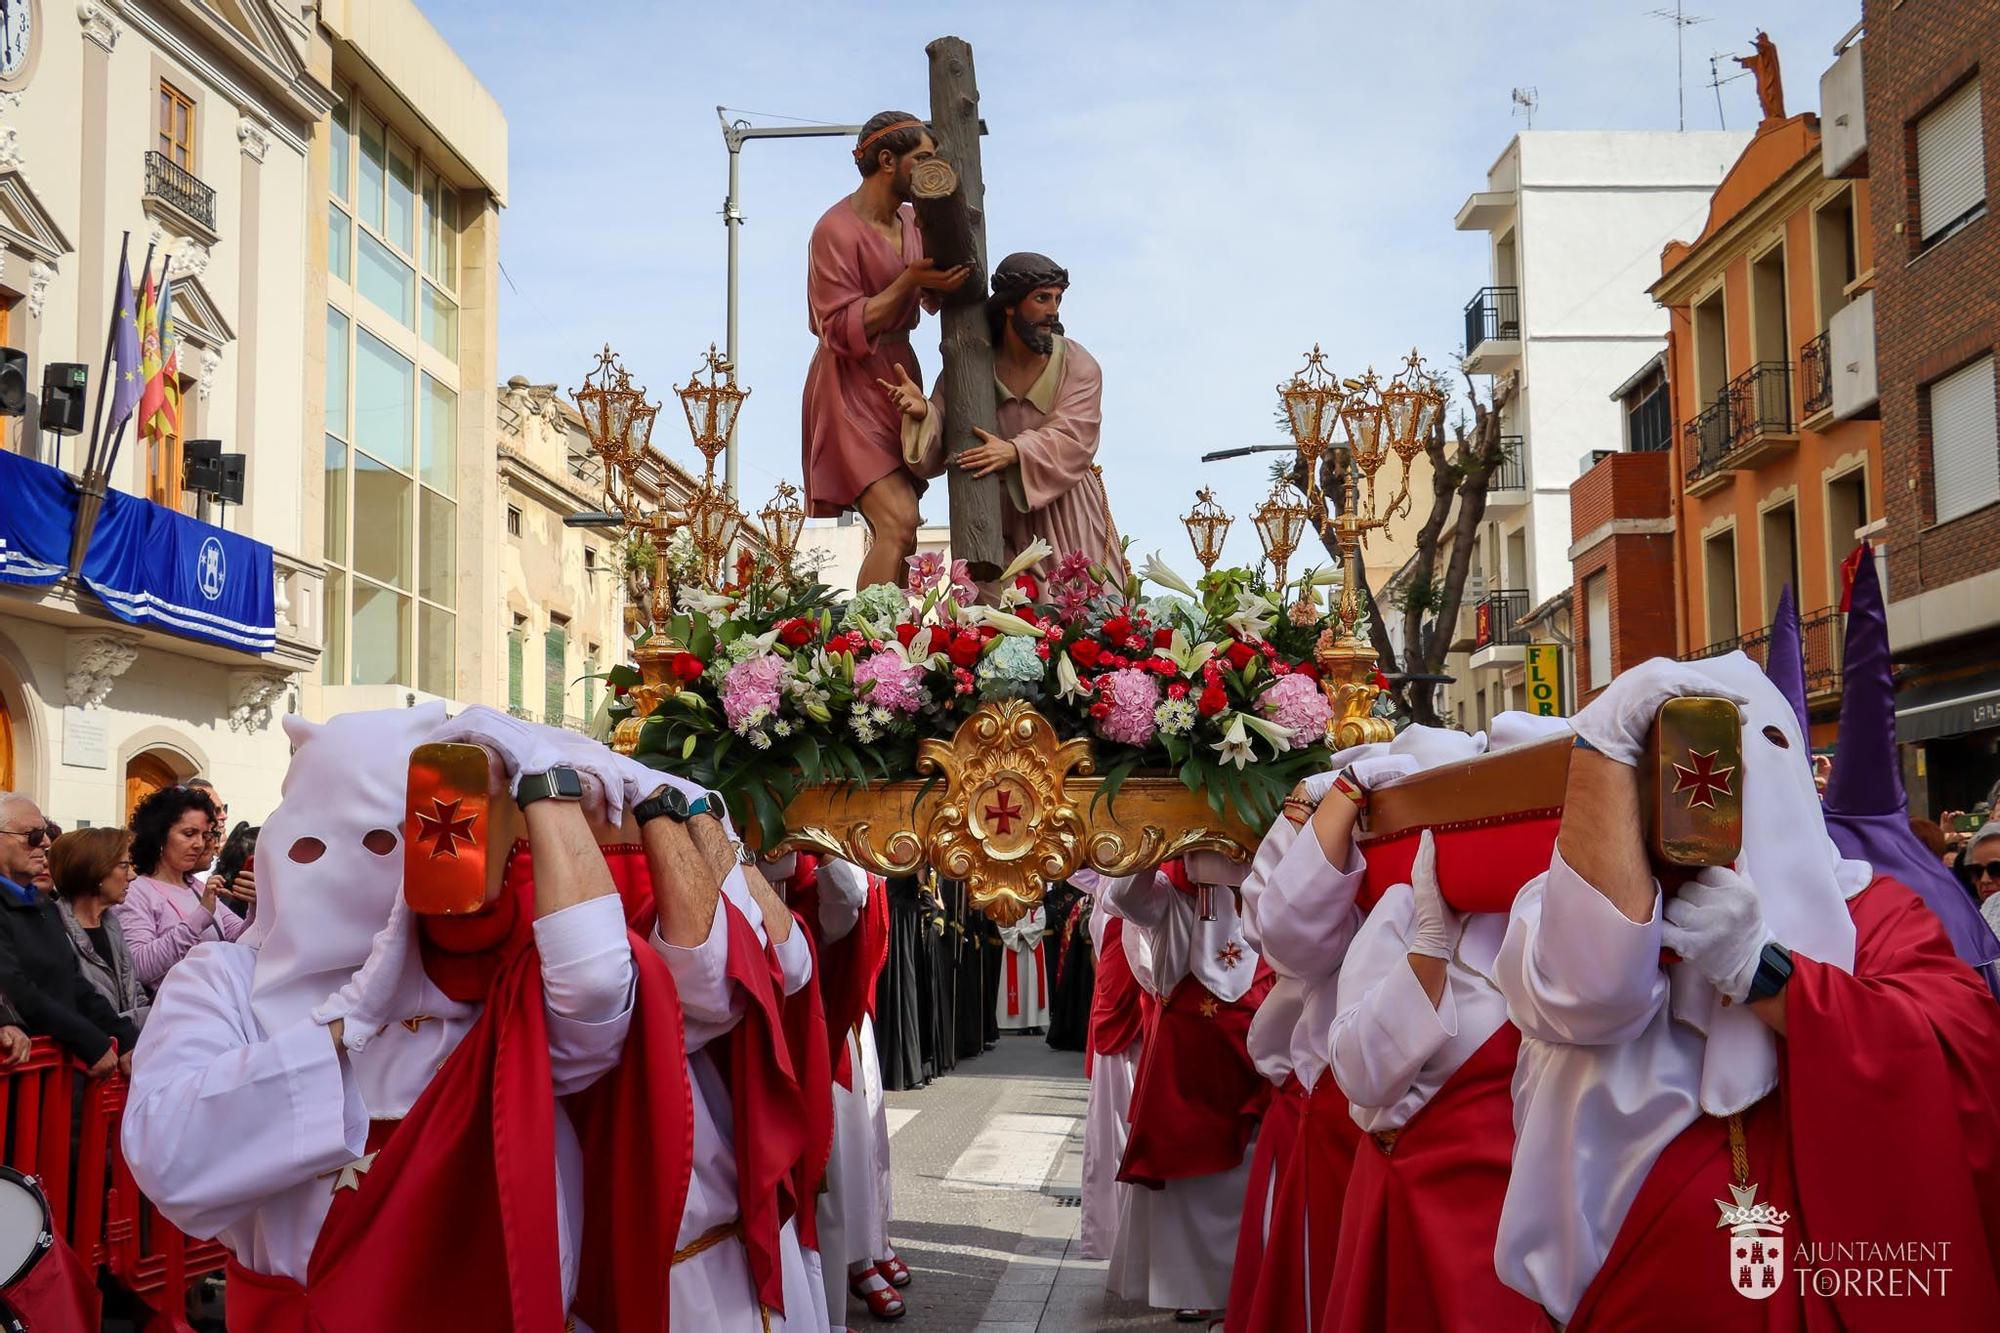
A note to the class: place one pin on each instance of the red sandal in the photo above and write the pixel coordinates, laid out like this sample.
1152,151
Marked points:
894,1271
882,1301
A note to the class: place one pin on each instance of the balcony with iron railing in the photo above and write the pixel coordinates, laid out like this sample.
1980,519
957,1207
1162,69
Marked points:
1496,636
187,201
1707,442
1821,636
1507,486
1760,412
1815,384
1492,329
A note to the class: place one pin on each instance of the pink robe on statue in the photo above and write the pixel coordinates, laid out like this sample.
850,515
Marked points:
1054,490
851,428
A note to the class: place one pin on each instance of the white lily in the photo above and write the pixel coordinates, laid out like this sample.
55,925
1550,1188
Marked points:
1186,654
1031,555
1252,617
1157,571
1068,685
1280,736
1003,622
694,599
1234,747
1326,576
1012,597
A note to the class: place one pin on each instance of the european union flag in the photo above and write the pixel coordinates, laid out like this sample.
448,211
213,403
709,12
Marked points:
126,379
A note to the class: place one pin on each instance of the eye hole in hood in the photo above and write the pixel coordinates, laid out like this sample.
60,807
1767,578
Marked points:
379,841
306,851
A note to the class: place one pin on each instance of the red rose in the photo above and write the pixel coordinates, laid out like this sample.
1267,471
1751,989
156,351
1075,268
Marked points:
1042,649
1027,584
905,632
795,633
1213,700
1306,669
1177,690
1118,628
688,668
1100,709
1163,638
1085,652
964,650
1239,654
1164,666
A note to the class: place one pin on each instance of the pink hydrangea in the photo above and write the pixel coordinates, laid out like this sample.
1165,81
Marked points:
1296,703
1133,695
751,690
898,684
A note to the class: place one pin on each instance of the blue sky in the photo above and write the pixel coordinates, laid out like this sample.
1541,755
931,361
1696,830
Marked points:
1228,184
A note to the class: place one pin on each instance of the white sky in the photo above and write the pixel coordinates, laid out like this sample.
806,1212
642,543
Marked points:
1227,184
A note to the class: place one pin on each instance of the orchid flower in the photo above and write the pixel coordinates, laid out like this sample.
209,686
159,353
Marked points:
1157,571
958,583
926,571
1234,747
1031,555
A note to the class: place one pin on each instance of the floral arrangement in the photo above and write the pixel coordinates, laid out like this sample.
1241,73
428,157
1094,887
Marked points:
1211,682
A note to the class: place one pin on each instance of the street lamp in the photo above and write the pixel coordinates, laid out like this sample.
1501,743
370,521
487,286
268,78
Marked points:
711,406
1207,525
784,519
1312,400
1280,522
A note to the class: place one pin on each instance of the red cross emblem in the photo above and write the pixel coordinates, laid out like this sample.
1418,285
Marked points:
1209,1008
1704,778
1230,954
445,827
1003,812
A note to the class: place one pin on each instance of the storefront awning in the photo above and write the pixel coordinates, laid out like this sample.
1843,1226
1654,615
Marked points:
1949,707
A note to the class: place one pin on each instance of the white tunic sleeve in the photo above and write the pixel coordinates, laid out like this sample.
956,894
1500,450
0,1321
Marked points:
1162,919
1386,1030
843,893
710,1004
587,988
221,1116
1574,968
1306,915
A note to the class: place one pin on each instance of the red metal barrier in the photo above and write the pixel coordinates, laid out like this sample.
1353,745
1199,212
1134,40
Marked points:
92,1197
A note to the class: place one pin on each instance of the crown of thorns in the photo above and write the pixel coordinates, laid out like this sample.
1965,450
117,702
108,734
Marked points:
1014,280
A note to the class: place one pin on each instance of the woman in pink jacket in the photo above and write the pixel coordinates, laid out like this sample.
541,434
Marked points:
168,910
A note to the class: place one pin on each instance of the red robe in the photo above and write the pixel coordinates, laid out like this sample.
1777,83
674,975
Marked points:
454,1225
1884,1128
846,968
1417,1226
1305,1216
1268,1163
1197,1097
1117,1004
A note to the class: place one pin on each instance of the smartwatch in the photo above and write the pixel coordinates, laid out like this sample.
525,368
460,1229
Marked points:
556,784
1774,969
670,802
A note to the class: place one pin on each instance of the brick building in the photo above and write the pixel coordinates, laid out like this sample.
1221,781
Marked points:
1622,556
1930,138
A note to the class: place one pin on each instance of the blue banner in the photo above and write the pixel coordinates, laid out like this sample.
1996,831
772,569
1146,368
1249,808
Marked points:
37,515
153,566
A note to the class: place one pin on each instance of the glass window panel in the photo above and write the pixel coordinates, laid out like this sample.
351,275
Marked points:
388,281
374,157
385,405
440,438
339,244
336,373
381,636
440,321
336,502
333,615
437,650
439,527
440,231
383,513
400,225
340,160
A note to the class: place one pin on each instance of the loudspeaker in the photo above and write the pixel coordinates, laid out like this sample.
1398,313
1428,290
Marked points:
201,466
13,381
63,383
231,490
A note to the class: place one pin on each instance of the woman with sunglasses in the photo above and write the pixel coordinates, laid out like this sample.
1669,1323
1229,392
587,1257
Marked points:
1981,865
168,909
93,870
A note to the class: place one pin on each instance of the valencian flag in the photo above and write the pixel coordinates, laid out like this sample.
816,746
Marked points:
129,379
159,407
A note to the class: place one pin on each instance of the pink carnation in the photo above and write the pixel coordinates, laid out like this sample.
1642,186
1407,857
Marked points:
1133,695
898,684
750,685
1296,703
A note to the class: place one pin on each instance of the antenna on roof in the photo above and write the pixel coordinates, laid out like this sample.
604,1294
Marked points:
1525,102
1716,78
1682,21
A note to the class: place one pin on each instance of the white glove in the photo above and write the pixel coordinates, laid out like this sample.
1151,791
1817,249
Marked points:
1437,925
1616,722
529,747
1375,770
1717,927
364,1003
1206,867
638,782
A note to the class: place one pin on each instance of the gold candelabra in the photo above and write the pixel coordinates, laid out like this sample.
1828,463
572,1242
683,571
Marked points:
784,519
1381,419
1206,525
1280,522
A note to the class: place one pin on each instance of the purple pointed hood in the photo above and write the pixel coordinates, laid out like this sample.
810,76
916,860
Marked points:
1785,659
1866,809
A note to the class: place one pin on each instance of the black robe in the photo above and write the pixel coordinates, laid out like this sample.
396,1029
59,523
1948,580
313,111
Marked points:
899,998
1074,970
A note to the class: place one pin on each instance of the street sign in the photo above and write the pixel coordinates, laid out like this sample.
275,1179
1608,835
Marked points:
1545,687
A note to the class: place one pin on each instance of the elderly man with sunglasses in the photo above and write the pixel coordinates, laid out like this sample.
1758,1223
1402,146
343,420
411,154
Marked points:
38,970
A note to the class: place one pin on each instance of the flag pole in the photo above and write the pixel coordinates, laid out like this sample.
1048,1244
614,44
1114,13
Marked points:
90,493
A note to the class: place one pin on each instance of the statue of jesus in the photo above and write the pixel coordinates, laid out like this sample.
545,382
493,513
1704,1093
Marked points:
1049,390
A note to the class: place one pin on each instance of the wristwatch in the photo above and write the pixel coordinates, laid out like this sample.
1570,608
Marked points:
556,784
671,802
1774,969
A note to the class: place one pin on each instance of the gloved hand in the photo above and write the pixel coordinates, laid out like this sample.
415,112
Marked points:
530,747
1205,867
364,1003
1437,925
639,781
1617,721
1373,771
1717,927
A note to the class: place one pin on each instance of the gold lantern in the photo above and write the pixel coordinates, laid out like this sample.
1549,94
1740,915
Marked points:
1280,522
1312,401
1207,524
784,519
711,405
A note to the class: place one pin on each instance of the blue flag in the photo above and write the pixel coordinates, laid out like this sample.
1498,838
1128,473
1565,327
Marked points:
127,381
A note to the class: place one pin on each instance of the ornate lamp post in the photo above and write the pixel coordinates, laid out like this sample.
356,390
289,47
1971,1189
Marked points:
711,405
784,519
1206,525
1313,400
1380,420
1280,522
714,521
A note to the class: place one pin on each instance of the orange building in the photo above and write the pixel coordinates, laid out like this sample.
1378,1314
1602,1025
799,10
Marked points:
1777,457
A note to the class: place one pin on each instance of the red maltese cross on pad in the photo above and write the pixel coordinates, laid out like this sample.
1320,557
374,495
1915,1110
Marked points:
1703,778
1230,954
445,827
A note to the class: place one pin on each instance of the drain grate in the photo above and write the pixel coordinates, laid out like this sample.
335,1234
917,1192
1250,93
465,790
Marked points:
1068,1200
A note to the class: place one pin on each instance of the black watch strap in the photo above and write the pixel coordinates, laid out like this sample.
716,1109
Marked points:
1774,969
673,803
560,783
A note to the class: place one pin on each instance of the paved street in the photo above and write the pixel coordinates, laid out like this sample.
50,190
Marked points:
988,1175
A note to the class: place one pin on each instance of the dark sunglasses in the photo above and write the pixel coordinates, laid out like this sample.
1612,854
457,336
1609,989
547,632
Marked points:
1989,870
34,837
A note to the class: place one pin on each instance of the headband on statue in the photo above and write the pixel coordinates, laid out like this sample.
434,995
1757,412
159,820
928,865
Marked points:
885,132
1022,272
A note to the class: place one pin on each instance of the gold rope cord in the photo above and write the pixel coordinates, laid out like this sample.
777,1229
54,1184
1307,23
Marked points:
1739,1150
707,1241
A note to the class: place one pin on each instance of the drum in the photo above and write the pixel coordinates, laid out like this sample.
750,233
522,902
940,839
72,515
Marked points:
26,1233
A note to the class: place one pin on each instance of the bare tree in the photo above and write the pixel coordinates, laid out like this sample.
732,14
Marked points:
1462,469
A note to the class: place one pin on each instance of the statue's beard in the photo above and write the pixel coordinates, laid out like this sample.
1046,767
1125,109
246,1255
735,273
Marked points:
1040,336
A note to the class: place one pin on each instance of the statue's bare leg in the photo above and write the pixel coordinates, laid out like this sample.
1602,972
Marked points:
890,506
